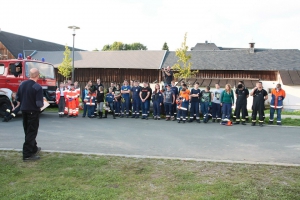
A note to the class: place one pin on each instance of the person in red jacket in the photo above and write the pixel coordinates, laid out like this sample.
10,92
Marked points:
72,96
278,95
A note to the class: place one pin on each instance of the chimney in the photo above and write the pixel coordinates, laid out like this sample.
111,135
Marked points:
251,49
206,41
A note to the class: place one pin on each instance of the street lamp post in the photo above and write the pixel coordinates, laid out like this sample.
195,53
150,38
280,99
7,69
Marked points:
73,28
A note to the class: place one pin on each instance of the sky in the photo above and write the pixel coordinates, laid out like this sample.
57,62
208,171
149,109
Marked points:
227,23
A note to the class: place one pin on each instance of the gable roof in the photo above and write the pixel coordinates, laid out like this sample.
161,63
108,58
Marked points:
205,46
270,60
108,59
26,45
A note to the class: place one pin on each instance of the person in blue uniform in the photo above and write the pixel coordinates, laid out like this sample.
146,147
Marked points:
195,100
136,100
125,91
144,94
149,100
169,99
157,100
117,102
174,109
110,102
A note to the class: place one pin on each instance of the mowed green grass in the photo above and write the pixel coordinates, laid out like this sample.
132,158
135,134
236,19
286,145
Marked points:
68,176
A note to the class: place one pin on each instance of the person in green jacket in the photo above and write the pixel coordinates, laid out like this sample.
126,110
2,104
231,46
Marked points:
227,101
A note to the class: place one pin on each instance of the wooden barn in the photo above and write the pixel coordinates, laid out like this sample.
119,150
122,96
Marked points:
110,66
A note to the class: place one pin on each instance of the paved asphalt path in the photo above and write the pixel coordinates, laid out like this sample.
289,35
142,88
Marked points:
161,139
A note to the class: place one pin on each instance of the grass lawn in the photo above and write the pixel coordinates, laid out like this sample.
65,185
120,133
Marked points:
65,176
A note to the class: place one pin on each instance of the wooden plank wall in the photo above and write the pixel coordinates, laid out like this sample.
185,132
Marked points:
5,51
115,75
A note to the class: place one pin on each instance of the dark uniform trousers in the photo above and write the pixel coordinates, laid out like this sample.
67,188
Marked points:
241,106
30,125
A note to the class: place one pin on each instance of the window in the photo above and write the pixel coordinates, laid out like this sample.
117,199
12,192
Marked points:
46,70
1,69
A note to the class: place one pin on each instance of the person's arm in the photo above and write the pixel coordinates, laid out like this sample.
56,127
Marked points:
18,104
266,95
148,94
253,90
232,97
221,98
211,96
173,98
141,95
39,97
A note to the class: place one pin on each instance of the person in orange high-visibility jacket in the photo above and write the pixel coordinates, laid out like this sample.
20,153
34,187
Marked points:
278,96
61,93
72,97
77,89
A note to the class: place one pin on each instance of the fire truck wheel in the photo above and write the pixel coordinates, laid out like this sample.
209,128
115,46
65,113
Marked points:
4,104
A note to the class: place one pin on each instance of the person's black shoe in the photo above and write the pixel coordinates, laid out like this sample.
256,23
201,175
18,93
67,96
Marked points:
270,122
261,124
74,116
244,123
236,123
279,123
191,120
146,118
31,158
5,119
83,116
183,121
178,121
214,120
253,124
158,118
198,121
132,116
218,120
69,116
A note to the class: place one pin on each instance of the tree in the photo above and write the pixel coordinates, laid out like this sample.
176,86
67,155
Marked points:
119,46
165,47
65,68
95,49
183,66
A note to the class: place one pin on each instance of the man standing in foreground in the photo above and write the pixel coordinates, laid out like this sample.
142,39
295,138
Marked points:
30,95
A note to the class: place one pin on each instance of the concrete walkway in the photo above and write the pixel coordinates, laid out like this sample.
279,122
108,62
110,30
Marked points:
161,139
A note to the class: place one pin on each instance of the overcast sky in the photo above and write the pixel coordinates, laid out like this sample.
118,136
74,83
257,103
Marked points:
227,23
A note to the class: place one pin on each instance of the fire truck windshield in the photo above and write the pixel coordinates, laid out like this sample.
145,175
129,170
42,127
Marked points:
46,70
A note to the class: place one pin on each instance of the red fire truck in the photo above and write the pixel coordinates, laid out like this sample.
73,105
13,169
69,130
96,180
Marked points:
13,72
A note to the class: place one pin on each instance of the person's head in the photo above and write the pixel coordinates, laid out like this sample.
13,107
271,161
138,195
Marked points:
90,83
72,86
145,84
207,88
259,85
125,82
118,86
182,82
76,84
136,83
278,86
168,87
61,85
196,85
173,83
34,74
98,81
228,87
112,84
69,82
90,90
157,87
184,86
217,86
240,86
168,68
131,82
241,82
13,95
110,90
101,89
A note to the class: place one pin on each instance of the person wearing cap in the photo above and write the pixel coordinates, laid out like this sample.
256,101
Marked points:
278,95
169,99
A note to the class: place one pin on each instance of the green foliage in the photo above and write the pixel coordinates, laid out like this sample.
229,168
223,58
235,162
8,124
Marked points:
65,68
119,46
95,49
183,66
70,176
165,47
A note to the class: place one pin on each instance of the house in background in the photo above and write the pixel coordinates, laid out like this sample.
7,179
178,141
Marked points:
230,65
12,44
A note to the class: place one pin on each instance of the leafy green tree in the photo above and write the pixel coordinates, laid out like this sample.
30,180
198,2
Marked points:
165,47
95,49
65,68
119,46
182,69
